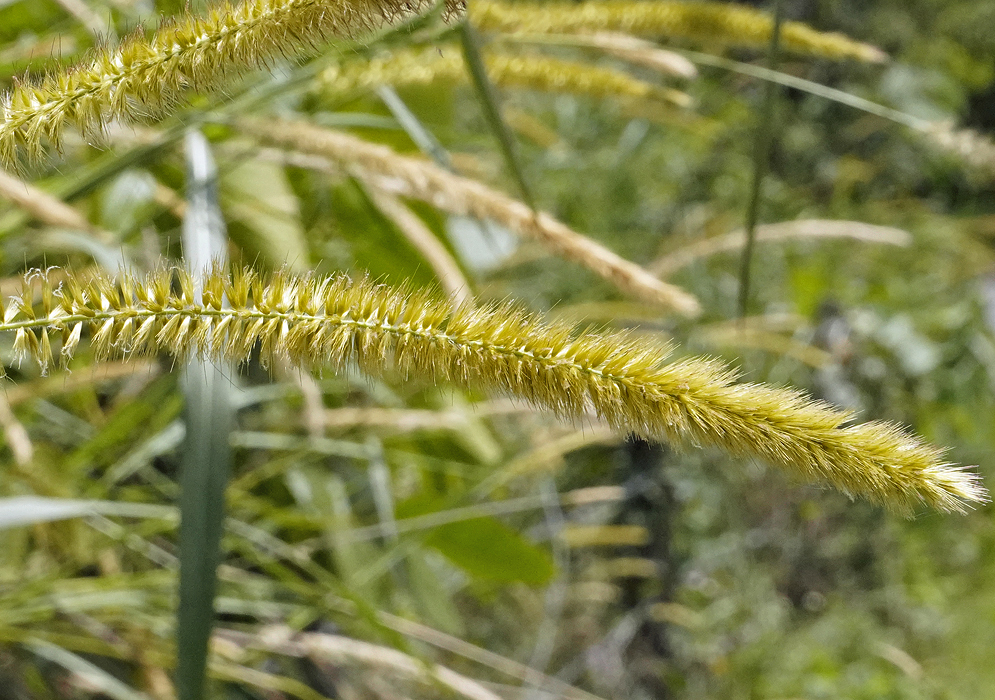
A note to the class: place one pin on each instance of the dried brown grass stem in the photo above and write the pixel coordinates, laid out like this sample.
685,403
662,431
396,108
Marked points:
771,233
387,170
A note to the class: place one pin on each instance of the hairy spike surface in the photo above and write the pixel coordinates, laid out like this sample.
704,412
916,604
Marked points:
710,22
529,71
387,170
144,78
332,322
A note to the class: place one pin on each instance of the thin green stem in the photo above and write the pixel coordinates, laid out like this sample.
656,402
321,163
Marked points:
809,86
761,162
749,69
492,108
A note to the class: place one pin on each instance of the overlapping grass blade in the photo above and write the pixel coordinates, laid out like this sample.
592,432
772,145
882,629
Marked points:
206,454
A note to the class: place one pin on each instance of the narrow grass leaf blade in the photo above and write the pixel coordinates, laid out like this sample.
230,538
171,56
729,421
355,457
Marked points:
423,138
754,71
22,511
813,88
207,454
31,510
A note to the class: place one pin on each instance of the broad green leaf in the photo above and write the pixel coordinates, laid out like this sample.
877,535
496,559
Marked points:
489,549
483,547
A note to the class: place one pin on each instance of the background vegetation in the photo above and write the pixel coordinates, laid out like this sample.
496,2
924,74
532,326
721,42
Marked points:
540,558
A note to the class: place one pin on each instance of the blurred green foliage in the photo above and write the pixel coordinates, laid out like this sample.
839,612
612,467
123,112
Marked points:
756,587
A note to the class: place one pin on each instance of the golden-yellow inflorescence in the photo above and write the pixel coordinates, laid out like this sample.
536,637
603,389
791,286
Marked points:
144,77
725,24
322,322
529,71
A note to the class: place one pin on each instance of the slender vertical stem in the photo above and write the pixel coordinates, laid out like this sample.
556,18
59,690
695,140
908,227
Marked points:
545,643
761,161
423,138
492,107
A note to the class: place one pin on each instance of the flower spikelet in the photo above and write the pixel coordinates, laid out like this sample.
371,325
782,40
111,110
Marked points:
709,22
144,78
331,322
385,169
529,71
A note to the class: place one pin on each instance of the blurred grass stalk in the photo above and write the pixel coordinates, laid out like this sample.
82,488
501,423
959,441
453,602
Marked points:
207,459
761,161
491,104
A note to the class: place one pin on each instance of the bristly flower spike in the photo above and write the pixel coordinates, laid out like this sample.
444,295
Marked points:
527,71
144,78
321,322
722,23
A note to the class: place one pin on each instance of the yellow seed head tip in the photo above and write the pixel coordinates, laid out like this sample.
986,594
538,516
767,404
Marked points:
958,488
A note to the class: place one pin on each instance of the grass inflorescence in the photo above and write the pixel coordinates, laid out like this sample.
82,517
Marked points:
703,22
332,322
528,71
144,77
385,169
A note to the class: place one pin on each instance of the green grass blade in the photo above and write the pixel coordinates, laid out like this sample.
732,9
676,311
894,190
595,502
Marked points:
206,465
22,511
754,71
207,454
423,138
809,86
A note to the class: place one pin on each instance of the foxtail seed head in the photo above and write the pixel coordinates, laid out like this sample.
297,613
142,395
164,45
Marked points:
707,22
319,322
144,78
528,71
